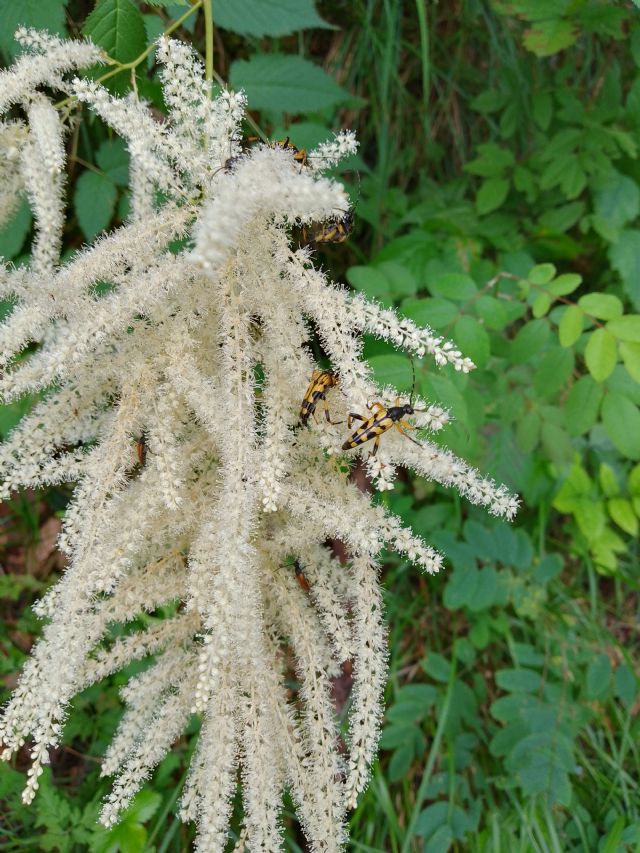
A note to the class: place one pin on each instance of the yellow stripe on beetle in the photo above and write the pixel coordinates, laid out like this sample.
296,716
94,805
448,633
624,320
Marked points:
321,381
382,420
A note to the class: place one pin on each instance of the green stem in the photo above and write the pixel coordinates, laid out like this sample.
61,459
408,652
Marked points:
207,8
423,26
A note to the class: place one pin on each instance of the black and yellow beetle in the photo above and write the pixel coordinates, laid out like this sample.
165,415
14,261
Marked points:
379,422
321,381
334,231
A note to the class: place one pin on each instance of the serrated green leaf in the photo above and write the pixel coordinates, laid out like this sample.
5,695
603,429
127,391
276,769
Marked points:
491,161
94,202
601,354
625,258
604,306
570,325
472,339
285,83
273,18
621,511
621,419
630,354
118,27
549,36
491,195
40,14
626,328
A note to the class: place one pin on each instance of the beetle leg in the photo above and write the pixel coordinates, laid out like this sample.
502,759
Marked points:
354,417
406,434
328,416
376,445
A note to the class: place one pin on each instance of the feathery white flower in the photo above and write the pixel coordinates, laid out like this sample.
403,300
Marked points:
172,401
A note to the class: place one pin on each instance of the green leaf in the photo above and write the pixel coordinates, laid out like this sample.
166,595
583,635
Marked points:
453,285
553,372
598,677
437,666
618,202
621,419
491,162
370,281
626,328
556,443
549,37
14,232
625,685
94,201
541,274
570,325
519,680
491,195
604,306
621,511
472,339
40,14
609,481
529,341
286,83
392,370
625,259
113,158
630,354
118,27
431,311
402,282
542,109
601,354
492,312
541,304
260,18
528,431
565,283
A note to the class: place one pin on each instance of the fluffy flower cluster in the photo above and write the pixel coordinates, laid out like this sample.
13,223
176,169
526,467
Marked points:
172,401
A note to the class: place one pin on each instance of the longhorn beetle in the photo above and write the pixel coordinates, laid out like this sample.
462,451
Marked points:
321,381
335,231
380,421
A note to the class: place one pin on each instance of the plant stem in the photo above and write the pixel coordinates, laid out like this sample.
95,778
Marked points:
207,8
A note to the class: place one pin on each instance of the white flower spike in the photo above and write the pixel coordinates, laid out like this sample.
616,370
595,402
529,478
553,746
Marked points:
172,402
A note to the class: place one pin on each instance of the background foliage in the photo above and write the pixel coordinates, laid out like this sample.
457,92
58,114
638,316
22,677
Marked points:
498,200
